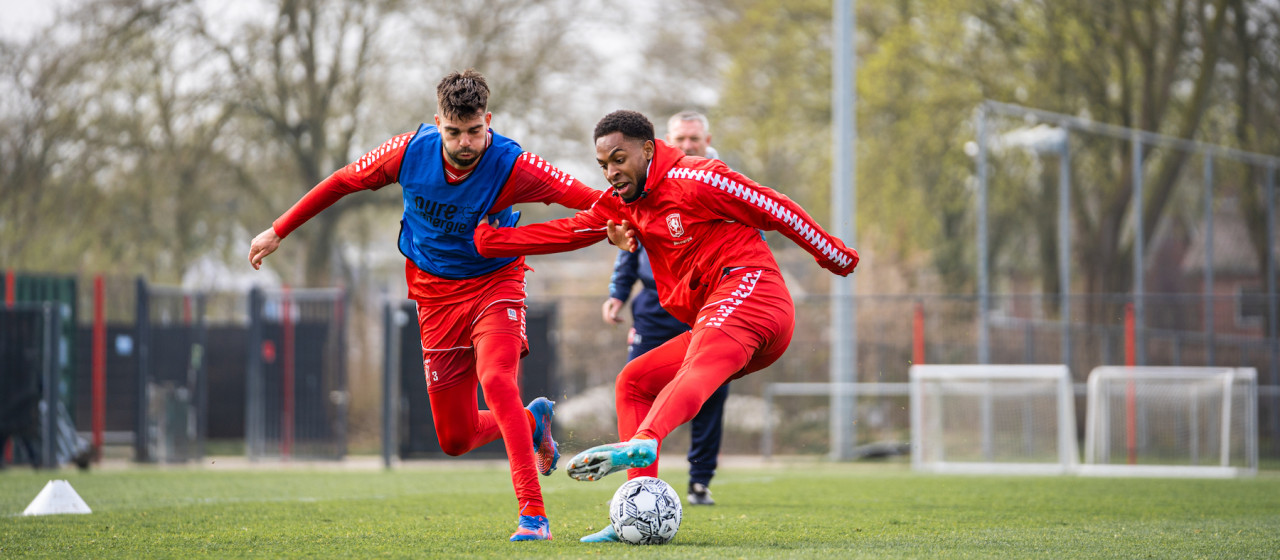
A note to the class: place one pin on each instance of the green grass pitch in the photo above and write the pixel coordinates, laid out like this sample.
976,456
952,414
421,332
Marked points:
813,510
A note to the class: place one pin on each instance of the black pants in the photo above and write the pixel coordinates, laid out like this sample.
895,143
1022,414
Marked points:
707,427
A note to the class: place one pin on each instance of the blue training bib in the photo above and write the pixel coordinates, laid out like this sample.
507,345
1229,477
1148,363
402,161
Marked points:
439,222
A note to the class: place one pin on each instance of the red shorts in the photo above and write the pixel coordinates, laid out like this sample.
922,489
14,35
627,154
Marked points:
450,321
745,326
756,311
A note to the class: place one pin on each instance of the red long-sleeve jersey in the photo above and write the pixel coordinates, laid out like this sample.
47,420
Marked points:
532,179
697,218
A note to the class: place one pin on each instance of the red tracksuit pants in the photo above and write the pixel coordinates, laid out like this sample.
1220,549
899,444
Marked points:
745,326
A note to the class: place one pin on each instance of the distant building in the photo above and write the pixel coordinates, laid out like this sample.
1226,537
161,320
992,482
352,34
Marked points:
1239,280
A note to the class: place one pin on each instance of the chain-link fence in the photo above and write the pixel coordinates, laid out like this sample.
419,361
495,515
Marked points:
1184,233
893,333
153,373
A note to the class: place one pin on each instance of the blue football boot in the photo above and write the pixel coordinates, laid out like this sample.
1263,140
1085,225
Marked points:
532,528
546,453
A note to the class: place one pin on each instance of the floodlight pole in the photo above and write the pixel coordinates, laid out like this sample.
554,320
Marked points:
844,335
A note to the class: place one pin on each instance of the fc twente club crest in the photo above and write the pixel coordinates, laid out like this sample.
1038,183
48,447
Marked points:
674,225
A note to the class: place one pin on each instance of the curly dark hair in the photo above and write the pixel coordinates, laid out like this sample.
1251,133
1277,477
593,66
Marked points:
461,95
630,123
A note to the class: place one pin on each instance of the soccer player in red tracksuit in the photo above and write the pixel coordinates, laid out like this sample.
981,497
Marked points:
697,219
471,309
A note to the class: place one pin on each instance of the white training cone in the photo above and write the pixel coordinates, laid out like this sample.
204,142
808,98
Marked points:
57,497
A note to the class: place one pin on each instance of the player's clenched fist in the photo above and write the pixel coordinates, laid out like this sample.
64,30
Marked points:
845,261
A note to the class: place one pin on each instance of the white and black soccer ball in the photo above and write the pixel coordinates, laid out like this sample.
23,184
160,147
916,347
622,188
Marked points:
645,510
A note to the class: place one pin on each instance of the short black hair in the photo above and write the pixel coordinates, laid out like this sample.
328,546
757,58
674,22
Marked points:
631,124
461,95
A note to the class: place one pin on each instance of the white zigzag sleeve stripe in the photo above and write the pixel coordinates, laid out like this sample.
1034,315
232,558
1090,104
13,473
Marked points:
541,164
372,157
770,206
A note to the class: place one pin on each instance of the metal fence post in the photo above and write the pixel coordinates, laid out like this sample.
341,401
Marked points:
142,322
1208,256
253,411
199,365
390,377
1029,342
49,371
340,348
1273,323
1139,276
98,402
766,435
1064,244
984,291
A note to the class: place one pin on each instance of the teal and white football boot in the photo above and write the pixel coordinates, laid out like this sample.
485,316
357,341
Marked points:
602,460
607,534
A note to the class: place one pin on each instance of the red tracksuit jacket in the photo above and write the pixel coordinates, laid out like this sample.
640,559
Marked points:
697,218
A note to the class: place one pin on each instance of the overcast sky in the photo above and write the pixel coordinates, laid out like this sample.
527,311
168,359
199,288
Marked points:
21,17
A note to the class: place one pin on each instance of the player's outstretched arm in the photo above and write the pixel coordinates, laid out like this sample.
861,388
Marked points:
375,170
738,198
556,236
533,179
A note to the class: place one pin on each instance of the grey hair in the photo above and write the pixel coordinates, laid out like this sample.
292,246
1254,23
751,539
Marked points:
690,116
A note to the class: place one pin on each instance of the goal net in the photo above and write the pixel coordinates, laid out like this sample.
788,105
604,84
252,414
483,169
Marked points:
1171,421
998,419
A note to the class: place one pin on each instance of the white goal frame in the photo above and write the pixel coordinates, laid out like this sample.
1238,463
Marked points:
924,424
1232,381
